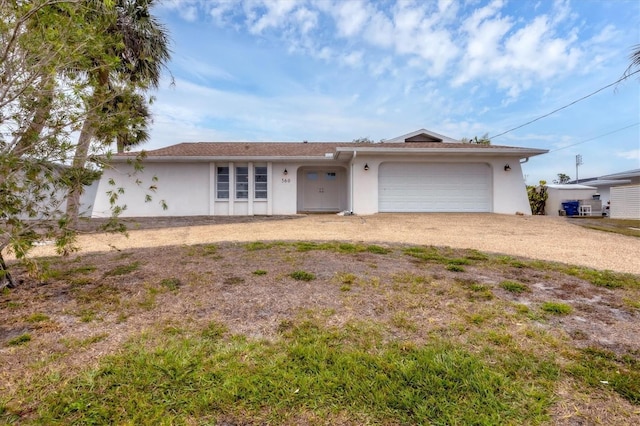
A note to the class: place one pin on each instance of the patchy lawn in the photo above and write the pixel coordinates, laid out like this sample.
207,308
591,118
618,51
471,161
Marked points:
630,227
319,333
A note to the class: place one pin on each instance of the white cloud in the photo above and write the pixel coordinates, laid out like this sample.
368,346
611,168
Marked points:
187,9
633,154
307,19
516,53
351,17
483,43
201,69
353,59
277,13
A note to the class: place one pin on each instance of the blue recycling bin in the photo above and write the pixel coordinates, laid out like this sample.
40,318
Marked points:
571,207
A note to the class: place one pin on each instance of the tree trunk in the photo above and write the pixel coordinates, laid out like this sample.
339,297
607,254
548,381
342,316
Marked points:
6,280
31,135
84,143
79,161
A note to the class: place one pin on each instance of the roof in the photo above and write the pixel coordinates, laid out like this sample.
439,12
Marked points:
194,151
418,142
422,135
567,186
621,175
606,182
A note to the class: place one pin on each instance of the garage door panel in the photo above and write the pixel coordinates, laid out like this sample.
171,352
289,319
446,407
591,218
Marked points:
434,187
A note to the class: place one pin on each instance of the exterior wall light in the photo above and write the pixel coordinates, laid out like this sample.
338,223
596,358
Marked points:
366,167
285,172
507,168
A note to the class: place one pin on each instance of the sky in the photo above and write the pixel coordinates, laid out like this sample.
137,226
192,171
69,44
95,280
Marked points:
327,70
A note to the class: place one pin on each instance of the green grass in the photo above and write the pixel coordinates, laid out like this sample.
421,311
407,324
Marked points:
257,245
73,343
556,308
171,284
122,269
608,279
309,371
20,340
514,287
337,247
455,268
403,365
302,276
37,317
378,249
604,369
66,273
87,315
628,227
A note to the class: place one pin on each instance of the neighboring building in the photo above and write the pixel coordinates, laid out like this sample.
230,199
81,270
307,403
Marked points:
418,172
560,193
622,190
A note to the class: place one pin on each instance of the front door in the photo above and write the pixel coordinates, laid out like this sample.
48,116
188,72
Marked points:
322,190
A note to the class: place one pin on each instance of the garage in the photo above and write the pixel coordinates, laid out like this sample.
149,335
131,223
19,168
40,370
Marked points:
434,187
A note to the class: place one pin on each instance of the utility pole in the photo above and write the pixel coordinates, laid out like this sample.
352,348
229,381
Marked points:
578,163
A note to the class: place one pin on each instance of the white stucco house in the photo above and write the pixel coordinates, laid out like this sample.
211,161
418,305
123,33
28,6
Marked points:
421,171
622,190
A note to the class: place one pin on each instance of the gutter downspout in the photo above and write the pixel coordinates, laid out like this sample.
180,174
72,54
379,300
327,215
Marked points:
526,160
352,161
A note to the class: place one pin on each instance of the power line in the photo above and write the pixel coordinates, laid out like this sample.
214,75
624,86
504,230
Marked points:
566,106
596,137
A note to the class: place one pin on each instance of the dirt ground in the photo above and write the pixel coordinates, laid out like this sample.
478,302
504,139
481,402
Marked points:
538,237
92,310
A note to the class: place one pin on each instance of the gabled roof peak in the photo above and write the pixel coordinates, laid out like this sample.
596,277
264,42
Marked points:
422,135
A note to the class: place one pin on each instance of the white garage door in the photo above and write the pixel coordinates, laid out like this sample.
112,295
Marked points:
434,187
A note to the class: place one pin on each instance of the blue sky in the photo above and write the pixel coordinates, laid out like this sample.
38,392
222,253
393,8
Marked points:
325,70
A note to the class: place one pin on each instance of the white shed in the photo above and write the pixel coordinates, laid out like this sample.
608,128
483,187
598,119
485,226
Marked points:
567,192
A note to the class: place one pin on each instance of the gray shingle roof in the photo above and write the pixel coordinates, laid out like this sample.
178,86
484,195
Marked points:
310,149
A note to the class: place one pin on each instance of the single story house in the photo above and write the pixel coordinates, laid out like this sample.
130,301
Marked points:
606,182
621,190
421,171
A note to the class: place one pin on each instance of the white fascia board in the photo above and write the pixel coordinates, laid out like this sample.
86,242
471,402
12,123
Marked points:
606,182
501,152
198,159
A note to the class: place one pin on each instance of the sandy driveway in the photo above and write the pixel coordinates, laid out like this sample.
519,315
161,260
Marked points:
539,237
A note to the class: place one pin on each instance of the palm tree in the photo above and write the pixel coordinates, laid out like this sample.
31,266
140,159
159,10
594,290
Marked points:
635,59
142,55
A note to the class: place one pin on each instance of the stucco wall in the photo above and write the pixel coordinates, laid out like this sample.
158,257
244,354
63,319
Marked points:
561,193
184,187
509,193
189,188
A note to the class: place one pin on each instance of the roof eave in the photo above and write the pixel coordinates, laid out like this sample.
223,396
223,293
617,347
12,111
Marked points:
229,158
502,152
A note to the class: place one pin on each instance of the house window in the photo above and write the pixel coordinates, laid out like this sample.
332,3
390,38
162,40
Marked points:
330,176
242,183
222,183
260,179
